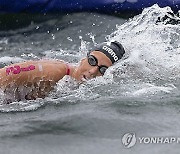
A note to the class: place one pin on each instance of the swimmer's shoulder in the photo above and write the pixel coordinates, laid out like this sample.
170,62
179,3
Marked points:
52,68
51,61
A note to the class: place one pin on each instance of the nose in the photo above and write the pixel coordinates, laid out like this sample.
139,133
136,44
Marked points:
93,70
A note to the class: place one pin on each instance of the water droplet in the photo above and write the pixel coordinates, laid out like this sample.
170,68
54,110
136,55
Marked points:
70,39
53,36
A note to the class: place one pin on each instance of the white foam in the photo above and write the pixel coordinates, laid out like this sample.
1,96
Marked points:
153,89
152,48
7,59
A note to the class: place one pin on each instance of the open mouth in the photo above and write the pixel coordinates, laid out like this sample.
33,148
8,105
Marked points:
84,78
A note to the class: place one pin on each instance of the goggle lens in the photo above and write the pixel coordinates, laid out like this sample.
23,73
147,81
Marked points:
92,60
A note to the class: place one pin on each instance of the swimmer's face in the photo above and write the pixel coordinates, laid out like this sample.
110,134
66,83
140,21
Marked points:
95,64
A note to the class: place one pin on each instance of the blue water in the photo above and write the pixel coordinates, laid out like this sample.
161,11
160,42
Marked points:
140,94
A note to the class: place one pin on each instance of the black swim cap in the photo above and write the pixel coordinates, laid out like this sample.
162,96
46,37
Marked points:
113,50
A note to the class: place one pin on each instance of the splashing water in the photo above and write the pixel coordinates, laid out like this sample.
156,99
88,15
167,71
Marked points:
150,69
152,47
151,66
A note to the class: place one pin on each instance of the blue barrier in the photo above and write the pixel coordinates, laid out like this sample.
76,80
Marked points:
67,6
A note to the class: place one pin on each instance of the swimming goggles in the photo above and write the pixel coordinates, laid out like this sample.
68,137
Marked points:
92,60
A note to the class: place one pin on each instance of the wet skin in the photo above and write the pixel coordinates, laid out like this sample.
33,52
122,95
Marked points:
86,71
43,81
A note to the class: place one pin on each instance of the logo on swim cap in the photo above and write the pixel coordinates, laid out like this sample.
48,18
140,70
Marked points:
111,52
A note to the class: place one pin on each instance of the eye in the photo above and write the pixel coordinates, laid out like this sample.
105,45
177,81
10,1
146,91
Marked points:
102,69
92,61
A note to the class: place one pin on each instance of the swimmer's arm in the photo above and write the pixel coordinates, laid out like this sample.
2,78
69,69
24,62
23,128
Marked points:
32,71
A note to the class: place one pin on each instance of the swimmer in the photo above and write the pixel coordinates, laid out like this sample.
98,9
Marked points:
42,75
